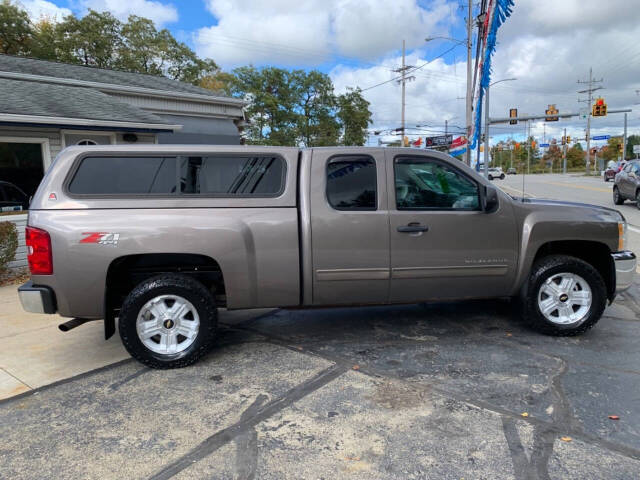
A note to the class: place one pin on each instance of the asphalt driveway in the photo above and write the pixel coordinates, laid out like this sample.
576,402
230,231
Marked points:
420,391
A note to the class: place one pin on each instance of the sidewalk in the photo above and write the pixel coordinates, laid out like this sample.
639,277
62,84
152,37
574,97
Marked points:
33,352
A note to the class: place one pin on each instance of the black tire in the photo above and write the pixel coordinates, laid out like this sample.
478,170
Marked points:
490,177
553,265
638,199
618,199
502,177
606,179
169,284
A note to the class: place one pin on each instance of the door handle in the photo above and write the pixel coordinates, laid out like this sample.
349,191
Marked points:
413,227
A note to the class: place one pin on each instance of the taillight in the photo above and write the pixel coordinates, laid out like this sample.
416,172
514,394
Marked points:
38,251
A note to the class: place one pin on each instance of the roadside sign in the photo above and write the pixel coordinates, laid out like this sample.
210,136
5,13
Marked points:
601,137
543,145
439,141
584,113
636,149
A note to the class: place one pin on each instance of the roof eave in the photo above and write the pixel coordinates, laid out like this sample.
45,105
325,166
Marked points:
37,120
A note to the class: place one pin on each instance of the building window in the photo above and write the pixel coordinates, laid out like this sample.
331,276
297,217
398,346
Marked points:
351,182
86,141
21,164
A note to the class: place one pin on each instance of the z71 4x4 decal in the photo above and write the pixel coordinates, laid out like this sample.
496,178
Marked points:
101,238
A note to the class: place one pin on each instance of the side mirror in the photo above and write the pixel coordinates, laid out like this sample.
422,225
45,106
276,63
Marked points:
490,199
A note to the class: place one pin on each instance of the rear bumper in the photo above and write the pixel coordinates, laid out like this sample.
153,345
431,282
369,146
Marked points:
625,263
37,299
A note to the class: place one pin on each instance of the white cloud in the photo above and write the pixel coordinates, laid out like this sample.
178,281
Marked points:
311,32
161,13
547,45
41,8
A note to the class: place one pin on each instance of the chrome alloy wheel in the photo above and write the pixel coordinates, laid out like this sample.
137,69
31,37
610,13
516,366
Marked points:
167,324
565,299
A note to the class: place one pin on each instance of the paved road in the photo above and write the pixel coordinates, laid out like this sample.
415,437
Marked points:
575,188
444,391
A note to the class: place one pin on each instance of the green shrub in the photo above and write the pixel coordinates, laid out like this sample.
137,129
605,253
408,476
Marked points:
8,244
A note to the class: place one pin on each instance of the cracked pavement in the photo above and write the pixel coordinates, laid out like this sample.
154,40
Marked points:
414,391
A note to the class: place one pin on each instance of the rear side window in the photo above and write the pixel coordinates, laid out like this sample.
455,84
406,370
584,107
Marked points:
232,175
124,175
351,183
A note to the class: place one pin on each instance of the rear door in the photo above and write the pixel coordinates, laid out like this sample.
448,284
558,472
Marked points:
349,226
442,244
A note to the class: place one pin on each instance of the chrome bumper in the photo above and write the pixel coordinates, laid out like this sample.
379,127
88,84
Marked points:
625,263
37,299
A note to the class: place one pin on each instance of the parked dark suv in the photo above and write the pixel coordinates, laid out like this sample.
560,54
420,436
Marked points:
627,186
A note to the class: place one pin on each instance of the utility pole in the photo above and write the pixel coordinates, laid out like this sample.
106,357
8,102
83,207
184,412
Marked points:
403,80
446,125
624,140
486,133
564,153
469,86
528,147
591,82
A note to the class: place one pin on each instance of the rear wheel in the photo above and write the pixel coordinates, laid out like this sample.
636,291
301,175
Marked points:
490,177
565,296
168,321
617,198
638,199
502,177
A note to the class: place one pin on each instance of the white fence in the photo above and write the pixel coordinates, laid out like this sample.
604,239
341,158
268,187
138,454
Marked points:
20,221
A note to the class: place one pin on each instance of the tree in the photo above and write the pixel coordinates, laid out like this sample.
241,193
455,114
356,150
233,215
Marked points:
44,41
631,141
93,40
315,106
610,152
218,81
15,29
553,156
575,157
355,117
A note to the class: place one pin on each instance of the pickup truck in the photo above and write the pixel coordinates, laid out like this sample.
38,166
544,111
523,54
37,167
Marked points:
157,237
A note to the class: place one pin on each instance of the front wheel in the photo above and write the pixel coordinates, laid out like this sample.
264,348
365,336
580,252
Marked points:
638,199
490,177
168,321
565,296
502,177
617,198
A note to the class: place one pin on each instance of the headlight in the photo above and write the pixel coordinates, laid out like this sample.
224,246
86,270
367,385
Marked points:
622,235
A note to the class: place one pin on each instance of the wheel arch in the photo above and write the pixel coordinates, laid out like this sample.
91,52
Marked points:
127,271
595,253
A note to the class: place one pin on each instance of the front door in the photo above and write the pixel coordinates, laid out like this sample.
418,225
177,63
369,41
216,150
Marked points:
350,227
443,245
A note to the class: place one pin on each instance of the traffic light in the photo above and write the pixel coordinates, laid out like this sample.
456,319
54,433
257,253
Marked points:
619,148
513,113
568,139
564,140
599,108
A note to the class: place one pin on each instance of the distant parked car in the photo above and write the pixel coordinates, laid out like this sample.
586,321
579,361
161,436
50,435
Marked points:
12,198
511,171
627,184
496,172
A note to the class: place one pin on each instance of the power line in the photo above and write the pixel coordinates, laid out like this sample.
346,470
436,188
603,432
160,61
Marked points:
414,69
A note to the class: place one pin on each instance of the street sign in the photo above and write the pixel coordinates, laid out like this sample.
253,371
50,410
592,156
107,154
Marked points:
636,149
601,137
584,113
439,141
543,145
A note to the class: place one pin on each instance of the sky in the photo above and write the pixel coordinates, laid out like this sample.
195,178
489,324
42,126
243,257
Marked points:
547,45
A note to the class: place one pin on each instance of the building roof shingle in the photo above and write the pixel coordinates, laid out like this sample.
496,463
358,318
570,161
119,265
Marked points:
41,99
33,66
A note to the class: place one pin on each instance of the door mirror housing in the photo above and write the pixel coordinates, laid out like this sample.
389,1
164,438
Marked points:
489,199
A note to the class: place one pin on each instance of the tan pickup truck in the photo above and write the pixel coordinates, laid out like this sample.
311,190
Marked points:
157,237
